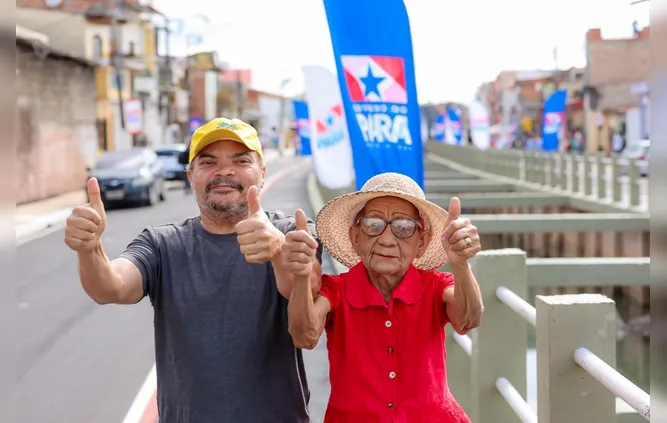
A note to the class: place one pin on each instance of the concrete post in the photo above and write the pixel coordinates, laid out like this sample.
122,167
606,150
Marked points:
616,185
633,180
565,170
588,176
566,392
543,160
458,370
499,345
576,174
601,175
522,166
530,166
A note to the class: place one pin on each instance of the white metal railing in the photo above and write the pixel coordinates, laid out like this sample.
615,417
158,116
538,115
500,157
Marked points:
515,401
464,341
517,304
618,384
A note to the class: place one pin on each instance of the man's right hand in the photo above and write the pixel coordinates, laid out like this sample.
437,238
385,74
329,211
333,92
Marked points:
85,225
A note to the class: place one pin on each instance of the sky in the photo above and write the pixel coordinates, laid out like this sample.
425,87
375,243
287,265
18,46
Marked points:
457,45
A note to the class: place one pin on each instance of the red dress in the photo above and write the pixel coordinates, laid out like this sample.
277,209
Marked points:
387,362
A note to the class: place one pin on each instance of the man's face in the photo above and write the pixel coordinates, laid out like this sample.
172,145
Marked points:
220,176
385,253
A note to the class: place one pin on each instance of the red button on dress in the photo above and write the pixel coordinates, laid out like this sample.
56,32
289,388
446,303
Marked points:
387,361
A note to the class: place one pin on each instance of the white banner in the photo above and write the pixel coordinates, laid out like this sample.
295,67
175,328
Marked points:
479,125
329,139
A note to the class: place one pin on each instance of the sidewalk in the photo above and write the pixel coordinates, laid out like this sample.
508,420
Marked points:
37,216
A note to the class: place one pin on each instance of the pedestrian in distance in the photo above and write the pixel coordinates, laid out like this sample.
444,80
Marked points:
218,287
385,317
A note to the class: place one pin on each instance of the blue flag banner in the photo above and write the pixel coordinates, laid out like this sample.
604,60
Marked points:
453,125
552,120
302,123
439,129
372,47
195,122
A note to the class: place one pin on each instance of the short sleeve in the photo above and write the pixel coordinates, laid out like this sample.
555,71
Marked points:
442,281
288,224
331,289
144,253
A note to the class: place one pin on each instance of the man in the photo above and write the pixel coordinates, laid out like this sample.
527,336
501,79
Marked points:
222,346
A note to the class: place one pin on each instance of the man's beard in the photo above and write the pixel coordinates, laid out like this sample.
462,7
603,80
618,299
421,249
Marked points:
230,212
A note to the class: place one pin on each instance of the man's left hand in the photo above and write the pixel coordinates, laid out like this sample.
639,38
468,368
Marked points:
460,239
259,240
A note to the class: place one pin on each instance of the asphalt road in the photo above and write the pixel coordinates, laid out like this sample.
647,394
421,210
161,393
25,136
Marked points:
79,362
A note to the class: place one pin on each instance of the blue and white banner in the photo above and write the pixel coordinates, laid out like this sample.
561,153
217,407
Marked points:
302,124
479,125
552,121
372,46
453,130
329,140
439,129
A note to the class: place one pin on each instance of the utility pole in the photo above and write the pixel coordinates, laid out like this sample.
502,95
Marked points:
556,79
240,98
115,7
169,71
283,83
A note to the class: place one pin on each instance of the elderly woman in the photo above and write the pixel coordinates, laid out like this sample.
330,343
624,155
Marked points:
385,318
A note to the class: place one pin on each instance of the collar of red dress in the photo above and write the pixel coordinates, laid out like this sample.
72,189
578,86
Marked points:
361,293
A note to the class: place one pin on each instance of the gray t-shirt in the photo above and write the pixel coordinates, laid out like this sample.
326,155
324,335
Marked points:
222,350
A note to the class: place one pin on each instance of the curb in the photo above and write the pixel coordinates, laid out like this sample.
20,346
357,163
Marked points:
42,225
316,203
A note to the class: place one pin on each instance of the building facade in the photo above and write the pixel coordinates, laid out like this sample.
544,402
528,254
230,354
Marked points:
616,84
72,28
55,119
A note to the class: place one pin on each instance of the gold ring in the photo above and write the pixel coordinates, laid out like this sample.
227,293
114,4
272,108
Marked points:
468,242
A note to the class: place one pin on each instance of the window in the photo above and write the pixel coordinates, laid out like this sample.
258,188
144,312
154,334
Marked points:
97,47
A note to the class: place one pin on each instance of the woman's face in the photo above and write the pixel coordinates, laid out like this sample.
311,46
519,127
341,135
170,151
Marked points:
389,252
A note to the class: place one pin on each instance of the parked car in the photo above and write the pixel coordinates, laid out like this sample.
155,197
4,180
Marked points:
128,176
639,150
168,155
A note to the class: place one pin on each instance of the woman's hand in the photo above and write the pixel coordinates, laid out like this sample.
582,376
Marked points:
460,239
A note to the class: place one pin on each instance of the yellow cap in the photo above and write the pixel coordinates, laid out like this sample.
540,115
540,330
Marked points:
224,129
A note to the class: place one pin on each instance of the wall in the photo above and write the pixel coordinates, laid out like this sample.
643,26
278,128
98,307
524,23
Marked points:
269,107
63,29
613,61
56,132
614,65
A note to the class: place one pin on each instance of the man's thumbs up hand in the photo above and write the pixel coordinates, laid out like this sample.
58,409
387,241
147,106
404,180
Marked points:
259,240
300,247
254,207
301,220
85,225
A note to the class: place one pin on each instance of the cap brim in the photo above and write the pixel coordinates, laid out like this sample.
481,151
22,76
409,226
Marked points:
220,134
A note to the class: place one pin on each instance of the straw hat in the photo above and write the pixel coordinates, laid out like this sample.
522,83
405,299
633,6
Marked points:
335,218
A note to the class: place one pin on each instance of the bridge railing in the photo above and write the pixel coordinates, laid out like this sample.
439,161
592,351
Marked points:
576,352
606,179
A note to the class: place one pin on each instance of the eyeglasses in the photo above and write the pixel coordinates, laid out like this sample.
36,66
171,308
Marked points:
401,228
